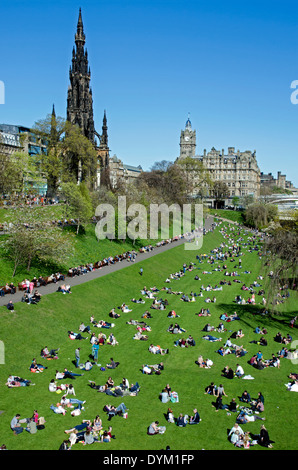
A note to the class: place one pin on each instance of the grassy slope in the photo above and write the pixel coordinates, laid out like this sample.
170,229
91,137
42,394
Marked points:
26,331
87,248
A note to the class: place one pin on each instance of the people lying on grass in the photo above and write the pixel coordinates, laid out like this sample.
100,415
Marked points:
262,341
246,416
104,324
16,381
228,318
58,409
66,374
137,301
292,386
49,354
137,323
152,369
84,329
157,350
69,402
112,411
79,429
211,338
140,336
72,335
176,329
239,351
35,367
124,308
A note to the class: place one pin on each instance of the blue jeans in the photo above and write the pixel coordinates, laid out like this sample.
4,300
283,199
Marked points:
135,387
76,401
121,407
18,430
71,375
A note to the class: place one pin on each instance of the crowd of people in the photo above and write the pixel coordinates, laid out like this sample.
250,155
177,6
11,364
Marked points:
249,409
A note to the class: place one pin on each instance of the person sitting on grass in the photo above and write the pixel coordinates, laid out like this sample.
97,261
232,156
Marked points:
182,420
154,428
10,306
34,367
52,354
195,418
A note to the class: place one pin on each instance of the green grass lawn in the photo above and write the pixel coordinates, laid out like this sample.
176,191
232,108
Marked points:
235,216
30,328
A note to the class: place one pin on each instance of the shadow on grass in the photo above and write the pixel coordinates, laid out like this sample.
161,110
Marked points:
248,313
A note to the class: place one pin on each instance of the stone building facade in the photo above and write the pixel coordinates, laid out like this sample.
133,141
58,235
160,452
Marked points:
268,180
239,170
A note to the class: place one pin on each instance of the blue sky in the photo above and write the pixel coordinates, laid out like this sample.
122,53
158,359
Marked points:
229,64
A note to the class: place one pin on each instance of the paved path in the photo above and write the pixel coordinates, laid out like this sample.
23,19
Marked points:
77,280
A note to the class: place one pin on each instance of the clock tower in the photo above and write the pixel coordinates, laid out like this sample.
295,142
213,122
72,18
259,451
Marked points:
187,141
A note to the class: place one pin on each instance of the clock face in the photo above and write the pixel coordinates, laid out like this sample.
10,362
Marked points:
186,138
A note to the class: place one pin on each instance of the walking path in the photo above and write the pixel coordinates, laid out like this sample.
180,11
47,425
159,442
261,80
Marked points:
97,273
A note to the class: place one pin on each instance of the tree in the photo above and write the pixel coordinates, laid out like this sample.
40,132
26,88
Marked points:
71,157
79,157
281,247
197,176
220,191
51,129
32,237
18,172
78,203
259,215
235,201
